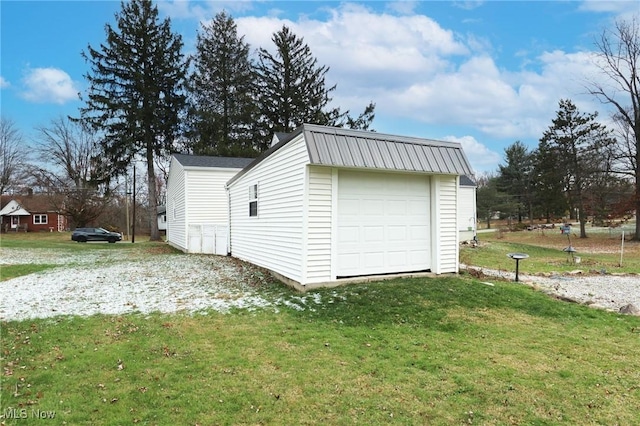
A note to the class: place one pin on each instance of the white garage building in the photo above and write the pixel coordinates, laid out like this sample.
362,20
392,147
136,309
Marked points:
197,211
467,216
328,203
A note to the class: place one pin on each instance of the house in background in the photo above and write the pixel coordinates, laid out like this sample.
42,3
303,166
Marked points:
467,212
30,213
162,218
327,203
197,209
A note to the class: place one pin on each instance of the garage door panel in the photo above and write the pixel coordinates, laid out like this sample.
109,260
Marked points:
390,231
349,206
397,207
349,234
396,233
417,207
397,258
346,261
371,207
419,233
418,256
373,260
374,234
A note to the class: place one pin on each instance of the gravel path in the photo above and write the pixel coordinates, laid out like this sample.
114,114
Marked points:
119,282
610,292
112,282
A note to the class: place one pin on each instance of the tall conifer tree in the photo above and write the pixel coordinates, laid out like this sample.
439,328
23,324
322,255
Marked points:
579,143
136,92
222,106
291,87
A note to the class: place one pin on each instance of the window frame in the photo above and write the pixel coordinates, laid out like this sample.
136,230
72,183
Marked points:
253,200
38,219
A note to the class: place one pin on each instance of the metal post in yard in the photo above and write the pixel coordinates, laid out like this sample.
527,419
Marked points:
133,230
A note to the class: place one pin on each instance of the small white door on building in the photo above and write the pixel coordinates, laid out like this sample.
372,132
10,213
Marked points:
222,233
195,239
383,223
208,239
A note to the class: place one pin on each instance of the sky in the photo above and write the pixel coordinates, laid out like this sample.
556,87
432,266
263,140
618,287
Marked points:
482,73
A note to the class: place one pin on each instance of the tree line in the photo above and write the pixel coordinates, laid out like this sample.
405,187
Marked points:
580,169
147,99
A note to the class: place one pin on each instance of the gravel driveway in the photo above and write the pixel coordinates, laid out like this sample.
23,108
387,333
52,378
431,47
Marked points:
121,281
118,282
605,291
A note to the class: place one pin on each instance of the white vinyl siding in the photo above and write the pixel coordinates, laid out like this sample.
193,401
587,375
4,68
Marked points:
466,208
273,239
446,223
319,225
176,223
206,195
196,202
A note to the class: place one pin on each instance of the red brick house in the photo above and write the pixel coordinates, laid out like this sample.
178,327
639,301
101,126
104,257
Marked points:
30,213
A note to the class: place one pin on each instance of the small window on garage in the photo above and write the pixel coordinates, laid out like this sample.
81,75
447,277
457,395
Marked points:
253,200
39,219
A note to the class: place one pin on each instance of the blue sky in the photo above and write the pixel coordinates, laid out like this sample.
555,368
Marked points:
483,73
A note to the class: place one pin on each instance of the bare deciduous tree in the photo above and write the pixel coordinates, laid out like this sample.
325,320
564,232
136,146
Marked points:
619,59
12,154
70,172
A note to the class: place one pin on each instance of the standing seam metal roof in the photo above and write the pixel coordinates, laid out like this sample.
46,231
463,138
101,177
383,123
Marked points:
338,147
330,146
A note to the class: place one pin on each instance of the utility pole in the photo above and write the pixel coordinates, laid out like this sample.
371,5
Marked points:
126,200
133,232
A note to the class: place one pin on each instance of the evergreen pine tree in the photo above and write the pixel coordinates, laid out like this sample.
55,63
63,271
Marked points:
579,143
291,88
136,94
222,107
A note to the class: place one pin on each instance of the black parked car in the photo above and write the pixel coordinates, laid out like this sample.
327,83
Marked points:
82,235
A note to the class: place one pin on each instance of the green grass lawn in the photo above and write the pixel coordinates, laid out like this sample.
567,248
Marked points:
60,243
597,253
421,351
408,351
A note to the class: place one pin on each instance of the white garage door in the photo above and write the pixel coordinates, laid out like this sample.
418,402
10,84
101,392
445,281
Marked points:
383,223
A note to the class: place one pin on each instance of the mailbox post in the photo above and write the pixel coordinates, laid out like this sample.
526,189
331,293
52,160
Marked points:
517,257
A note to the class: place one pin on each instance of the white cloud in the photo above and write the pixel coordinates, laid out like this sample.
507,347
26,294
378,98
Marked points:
3,83
201,10
403,7
413,67
49,85
482,159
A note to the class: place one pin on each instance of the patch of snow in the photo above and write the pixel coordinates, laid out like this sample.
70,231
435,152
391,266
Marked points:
112,283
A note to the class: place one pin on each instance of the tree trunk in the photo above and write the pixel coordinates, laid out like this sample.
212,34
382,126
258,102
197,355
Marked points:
582,219
637,236
153,199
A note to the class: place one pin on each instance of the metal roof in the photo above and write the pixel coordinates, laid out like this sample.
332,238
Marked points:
207,161
467,181
339,147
